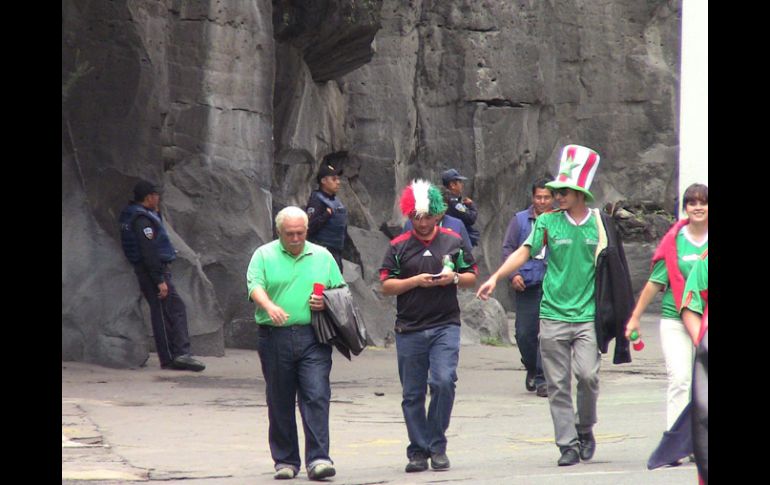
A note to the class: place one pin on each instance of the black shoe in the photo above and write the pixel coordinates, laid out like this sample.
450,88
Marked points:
439,461
587,445
186,362
417,464
529,381
542,390
569,457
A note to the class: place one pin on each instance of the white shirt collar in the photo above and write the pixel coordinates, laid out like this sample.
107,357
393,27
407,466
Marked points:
572,221
685,231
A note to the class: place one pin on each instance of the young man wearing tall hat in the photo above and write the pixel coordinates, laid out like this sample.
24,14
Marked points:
568,338
328,217
423,268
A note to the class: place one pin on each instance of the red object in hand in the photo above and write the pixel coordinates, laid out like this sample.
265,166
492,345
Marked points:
636,341
318,289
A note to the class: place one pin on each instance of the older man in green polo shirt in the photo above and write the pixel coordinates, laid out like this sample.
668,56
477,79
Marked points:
295,365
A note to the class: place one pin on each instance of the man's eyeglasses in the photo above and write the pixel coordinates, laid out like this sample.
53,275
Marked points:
563,192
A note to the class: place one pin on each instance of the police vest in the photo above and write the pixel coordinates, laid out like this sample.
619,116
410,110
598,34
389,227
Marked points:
128,240
332,234
458,210
533,271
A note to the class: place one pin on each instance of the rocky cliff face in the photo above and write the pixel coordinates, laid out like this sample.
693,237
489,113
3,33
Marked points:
231,104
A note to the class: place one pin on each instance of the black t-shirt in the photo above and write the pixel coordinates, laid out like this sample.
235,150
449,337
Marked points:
423,308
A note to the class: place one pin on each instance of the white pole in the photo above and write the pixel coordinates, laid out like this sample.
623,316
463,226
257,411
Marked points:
693,109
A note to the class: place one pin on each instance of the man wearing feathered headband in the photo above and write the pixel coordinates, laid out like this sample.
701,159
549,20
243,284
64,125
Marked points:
423,268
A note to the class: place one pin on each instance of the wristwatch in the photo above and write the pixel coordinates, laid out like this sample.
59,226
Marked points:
456,279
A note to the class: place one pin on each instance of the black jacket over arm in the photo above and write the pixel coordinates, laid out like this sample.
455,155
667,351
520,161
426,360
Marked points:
340,323
614,295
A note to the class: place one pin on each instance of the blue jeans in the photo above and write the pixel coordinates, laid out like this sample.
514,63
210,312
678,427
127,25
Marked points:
528,330
435,351
295,366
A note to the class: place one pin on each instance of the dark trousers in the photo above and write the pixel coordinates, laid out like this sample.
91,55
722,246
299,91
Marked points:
168,316
337,255
428,358
295,365
528,329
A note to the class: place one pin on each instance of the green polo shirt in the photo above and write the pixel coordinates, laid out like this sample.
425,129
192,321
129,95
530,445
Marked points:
288,280
568,286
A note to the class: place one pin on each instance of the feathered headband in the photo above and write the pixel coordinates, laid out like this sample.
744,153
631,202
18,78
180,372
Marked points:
422,198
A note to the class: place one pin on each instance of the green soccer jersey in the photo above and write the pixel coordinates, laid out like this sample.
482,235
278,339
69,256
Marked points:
688,253
697,281
288,280
568,286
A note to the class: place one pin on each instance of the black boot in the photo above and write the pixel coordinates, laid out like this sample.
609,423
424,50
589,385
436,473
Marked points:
587,445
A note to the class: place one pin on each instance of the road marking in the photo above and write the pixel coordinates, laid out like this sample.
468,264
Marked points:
585,474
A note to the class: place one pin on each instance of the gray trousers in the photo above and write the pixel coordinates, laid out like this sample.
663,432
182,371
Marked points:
566,348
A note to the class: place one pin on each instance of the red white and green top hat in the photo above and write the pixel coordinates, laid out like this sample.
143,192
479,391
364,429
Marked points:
576,170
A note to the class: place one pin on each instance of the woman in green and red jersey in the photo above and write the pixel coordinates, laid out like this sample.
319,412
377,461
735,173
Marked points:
674,258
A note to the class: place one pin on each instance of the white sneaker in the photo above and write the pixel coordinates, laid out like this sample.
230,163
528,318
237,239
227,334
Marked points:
321,471
285,473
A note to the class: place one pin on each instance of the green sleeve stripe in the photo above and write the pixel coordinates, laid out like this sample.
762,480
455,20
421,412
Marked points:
461,264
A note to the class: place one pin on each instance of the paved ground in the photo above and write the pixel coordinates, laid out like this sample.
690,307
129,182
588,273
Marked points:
148,424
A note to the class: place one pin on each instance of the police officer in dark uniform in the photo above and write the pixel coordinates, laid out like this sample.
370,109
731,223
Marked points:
458,206
148,247
327,216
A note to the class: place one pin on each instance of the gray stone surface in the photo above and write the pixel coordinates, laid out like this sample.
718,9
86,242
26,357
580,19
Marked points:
179,93
334,36
230,105
483,322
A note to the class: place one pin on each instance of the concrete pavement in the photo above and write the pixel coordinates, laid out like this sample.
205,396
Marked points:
148,424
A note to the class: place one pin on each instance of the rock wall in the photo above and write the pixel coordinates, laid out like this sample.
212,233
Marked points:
495,89
230,105
179,93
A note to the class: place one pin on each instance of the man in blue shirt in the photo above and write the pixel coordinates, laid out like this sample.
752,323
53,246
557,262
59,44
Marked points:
527,285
